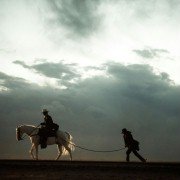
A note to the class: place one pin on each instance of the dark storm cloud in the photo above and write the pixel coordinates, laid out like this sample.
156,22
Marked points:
139,83
96,109
150,53
12,82
78,16
53,70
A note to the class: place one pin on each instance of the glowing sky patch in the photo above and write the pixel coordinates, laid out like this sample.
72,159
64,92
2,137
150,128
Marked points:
44,30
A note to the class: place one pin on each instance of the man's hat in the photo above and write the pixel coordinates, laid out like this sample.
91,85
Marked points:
124,130
44,110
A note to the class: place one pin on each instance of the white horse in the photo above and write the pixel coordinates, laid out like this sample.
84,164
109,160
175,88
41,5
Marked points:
63,140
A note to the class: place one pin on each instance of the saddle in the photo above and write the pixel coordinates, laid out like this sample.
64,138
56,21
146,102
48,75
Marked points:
44,133
51,134
44,136
53,131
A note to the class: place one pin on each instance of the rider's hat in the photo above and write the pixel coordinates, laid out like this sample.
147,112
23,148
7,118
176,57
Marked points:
44,111
124,130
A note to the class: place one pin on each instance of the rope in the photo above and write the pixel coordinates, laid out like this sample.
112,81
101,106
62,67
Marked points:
92,150
98,151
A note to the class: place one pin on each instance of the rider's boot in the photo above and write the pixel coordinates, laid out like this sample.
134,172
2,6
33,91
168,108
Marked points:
43,142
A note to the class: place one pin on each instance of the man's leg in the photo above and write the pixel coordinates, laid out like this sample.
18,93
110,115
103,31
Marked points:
139,156
44,142
43,138
127,154
41,134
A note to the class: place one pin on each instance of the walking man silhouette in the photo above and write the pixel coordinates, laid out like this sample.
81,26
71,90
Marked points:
131,144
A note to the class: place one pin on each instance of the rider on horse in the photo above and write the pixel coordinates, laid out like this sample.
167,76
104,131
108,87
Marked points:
48,128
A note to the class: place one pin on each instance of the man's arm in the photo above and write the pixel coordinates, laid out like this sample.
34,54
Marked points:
125,141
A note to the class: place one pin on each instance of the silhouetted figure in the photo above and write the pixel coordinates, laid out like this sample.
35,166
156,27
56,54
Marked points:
48,128
131,144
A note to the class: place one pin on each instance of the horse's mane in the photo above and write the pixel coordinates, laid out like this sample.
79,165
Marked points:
27,125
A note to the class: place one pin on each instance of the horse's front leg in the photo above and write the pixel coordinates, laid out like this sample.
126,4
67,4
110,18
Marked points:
31,151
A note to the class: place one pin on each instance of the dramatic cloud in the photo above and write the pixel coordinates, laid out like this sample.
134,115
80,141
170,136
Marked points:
128,96
11,82
150,53
79,17
53,70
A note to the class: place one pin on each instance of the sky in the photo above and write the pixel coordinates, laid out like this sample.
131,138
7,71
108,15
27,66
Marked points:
98,66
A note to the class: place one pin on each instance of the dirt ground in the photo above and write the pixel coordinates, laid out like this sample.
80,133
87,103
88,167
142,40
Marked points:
27,169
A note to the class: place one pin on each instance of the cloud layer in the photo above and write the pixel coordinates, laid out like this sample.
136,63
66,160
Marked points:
61,71
128,96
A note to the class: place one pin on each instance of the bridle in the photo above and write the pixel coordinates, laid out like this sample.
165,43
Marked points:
18,134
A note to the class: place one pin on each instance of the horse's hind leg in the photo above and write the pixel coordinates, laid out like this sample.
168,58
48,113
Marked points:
59,151
69,151
31,151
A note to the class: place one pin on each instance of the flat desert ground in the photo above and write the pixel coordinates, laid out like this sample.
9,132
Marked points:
79,170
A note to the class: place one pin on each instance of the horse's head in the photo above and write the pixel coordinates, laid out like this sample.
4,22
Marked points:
18,134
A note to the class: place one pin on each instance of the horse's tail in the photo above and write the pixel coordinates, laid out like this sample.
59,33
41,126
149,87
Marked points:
69,142
69,136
